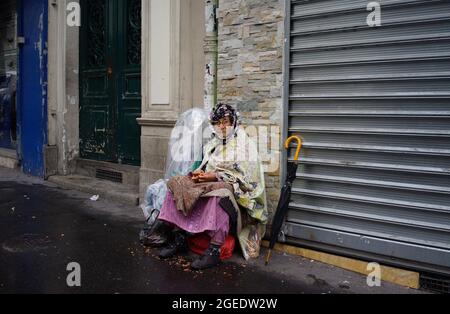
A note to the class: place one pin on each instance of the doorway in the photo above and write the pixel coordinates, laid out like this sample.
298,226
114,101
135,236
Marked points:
110,81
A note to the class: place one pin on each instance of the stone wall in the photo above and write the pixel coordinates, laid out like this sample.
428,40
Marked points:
250,64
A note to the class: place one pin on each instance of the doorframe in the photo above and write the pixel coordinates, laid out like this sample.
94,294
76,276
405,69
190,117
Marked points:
36,161
19,30
57,84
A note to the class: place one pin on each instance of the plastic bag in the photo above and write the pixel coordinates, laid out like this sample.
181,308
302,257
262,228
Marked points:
154,199
153,233
253,243
250,239
185,154
186,143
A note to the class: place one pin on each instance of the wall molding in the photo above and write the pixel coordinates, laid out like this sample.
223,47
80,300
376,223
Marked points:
157,122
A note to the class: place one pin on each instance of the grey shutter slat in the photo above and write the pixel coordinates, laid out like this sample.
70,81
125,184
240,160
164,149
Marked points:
373,107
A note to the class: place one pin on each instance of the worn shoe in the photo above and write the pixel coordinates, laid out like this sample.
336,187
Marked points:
210,259
178,245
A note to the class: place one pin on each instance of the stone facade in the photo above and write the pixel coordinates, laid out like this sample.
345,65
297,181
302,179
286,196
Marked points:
250,59
250,71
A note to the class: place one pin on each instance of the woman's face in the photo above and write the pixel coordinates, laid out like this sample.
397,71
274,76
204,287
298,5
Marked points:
224,126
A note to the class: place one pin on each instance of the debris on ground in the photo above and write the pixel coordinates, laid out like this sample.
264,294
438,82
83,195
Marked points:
344,285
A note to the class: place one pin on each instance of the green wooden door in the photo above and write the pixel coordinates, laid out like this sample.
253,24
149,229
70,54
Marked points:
110,80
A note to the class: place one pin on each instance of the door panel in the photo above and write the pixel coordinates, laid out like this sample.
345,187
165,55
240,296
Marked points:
97,110
110,81
129,71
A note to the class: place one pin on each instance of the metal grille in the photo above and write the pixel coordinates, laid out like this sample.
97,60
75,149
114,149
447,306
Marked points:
373,107
109,175
435,284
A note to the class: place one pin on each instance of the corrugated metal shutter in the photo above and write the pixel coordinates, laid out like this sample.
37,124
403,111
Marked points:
373,107
8,47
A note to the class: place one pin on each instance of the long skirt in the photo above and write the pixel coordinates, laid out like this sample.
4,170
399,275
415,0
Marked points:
206,217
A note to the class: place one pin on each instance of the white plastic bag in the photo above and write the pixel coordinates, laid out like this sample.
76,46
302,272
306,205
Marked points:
186,143
154,199
185,154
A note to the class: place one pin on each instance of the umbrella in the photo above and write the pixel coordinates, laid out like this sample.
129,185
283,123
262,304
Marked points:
283,203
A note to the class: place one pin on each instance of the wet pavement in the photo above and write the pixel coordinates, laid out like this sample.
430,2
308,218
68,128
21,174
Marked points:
43,228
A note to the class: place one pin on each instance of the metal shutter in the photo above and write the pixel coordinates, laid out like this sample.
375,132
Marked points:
373,106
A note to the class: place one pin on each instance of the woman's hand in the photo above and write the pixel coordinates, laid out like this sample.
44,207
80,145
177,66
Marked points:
207,177
196,175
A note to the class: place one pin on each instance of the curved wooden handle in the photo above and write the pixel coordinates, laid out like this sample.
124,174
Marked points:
299,145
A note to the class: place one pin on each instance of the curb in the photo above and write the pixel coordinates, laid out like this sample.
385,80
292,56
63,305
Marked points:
393,275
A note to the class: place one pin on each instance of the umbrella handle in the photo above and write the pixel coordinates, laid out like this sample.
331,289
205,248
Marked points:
299,145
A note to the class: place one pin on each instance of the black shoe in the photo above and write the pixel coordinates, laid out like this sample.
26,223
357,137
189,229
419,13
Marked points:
210,259
178,245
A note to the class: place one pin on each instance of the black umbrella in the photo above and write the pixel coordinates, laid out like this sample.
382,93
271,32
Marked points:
285,197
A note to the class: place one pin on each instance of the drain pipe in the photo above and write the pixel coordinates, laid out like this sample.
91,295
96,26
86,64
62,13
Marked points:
211,54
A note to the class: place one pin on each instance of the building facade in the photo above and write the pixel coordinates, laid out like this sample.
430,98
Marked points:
366,87
118,83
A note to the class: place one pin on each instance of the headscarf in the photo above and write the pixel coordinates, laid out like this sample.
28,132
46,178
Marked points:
222,111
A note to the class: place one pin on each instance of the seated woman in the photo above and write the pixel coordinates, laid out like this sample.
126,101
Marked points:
230,172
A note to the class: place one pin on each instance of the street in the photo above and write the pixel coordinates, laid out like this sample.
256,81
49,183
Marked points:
43,228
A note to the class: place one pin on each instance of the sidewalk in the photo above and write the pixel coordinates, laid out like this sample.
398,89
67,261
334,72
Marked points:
44,227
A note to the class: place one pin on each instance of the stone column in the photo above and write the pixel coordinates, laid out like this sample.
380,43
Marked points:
63,88
172,76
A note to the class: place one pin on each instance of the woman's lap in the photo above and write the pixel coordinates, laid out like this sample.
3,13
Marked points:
207,216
